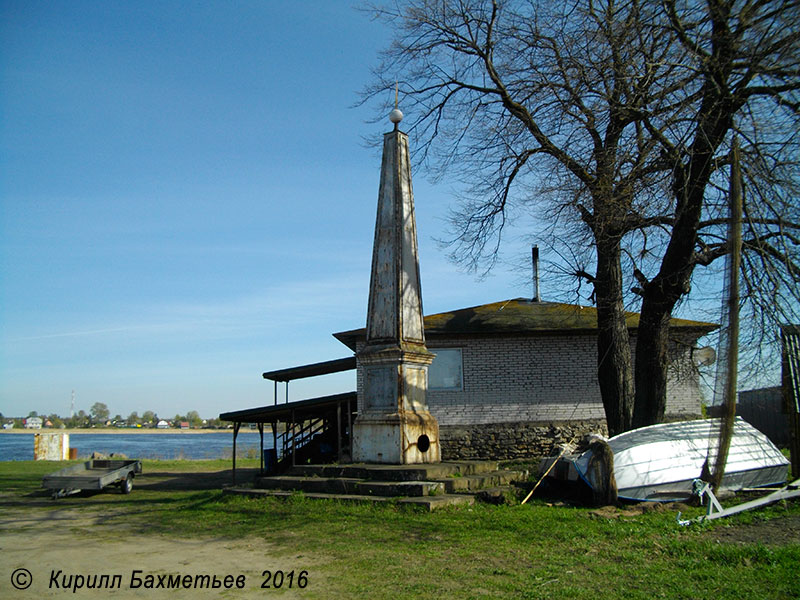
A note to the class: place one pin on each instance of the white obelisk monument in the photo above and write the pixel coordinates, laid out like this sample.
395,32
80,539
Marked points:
394,425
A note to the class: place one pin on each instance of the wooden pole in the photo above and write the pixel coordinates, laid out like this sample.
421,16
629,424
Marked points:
729,392
790,384
550,468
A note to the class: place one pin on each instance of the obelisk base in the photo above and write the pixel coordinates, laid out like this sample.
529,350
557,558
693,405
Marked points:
403,438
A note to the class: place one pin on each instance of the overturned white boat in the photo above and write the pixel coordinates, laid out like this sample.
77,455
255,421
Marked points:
660,462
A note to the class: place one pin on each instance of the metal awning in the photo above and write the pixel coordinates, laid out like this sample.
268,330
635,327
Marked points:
287,412
333,407
312,370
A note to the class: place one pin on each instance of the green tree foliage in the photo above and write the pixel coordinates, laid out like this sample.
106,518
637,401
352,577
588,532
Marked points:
194,418
99,412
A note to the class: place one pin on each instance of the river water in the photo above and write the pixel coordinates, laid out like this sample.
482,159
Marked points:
144,445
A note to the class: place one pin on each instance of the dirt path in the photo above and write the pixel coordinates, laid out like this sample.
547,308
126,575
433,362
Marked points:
775,532
779,531
68,556
70,542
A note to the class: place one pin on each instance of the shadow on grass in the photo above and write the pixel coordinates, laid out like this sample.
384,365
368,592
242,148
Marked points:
142,513
153,493
177,481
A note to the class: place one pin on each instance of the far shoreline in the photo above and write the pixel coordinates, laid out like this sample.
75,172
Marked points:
137,430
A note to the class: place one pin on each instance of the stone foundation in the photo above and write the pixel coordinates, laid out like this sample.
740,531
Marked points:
520,440
512,441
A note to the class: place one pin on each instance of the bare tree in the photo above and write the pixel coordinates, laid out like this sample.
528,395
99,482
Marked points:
746,59
614,119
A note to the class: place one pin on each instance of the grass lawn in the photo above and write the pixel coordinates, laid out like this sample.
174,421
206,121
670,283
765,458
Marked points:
530,551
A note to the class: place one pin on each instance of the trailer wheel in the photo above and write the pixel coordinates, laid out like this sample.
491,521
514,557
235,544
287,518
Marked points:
127,484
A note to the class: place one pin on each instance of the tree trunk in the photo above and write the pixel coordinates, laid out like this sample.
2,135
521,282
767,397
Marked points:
652,343
658,301
673,281
614,368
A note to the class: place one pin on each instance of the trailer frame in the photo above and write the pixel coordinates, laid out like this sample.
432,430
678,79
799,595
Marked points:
94,474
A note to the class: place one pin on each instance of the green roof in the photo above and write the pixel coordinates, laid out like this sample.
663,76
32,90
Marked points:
520,317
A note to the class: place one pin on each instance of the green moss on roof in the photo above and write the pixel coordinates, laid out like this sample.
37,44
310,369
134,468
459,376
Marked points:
521,316
524,316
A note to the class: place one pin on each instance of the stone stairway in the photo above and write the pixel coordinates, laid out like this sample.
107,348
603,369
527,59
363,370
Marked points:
428,485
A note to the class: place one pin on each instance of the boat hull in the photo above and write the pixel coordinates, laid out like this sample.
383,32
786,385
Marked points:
660,462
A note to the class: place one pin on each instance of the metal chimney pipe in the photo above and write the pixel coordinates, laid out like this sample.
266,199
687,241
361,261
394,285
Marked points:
535,262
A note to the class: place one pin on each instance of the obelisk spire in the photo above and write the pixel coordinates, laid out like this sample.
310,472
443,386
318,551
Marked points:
394,314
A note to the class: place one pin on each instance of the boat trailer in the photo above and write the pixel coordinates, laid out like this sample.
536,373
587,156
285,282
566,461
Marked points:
94,474
714,510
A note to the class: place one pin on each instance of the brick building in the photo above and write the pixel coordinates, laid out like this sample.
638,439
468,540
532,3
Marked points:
511,377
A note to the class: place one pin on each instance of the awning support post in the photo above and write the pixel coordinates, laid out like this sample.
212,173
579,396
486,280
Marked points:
261,435
236,426
339,432
274,425
350,427
294,441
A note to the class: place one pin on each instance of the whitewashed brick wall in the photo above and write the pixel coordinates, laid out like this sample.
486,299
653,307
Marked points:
543,378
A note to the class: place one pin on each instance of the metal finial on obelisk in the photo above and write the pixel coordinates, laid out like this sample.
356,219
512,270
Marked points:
396,115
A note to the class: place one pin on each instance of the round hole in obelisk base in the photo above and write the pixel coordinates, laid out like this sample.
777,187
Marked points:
423,443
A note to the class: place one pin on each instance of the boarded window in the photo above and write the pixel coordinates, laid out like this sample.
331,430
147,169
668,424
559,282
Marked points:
446,372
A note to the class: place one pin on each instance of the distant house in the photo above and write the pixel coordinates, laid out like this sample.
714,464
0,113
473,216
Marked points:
511,376
162,424
184,424
33,423
8,425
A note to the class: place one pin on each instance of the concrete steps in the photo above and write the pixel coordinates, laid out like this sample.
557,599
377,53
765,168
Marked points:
423,472
473,483
347,485
426,502
430,485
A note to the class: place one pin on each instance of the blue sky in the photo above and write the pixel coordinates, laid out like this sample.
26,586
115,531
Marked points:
186,201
